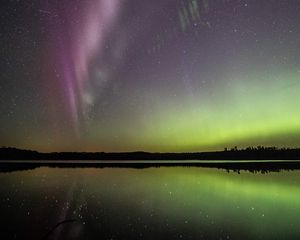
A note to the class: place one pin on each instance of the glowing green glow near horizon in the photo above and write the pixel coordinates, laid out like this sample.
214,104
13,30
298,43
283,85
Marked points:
250,110
259,109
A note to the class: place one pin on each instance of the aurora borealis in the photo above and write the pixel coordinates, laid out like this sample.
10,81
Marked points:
171,75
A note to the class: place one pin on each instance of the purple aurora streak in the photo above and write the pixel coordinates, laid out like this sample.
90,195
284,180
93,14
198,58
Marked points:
78,31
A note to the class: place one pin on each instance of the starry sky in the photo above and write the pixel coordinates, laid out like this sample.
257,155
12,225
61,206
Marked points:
171,75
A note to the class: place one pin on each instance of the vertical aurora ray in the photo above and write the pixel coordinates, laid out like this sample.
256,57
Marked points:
79,36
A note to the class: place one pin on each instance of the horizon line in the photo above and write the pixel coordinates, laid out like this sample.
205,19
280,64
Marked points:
225,149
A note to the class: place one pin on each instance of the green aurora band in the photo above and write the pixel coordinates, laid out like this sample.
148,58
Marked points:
260,110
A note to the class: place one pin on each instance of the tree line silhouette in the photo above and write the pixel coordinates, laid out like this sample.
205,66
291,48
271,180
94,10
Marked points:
28,159
249,153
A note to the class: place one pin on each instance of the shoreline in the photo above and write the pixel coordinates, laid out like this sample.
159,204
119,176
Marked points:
254,166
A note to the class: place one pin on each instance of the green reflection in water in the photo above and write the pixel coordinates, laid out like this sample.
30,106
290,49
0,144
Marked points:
173,203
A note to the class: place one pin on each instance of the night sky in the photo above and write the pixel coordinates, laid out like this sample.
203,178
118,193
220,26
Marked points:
163,75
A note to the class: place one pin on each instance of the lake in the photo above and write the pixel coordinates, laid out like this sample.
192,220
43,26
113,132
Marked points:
162,203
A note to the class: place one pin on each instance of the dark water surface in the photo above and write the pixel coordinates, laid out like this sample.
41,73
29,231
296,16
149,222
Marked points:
150,203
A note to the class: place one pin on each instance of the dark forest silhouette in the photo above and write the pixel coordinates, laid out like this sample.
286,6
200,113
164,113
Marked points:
249,153
28,157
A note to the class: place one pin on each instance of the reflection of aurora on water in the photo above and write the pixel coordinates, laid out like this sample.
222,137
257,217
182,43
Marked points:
194,203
